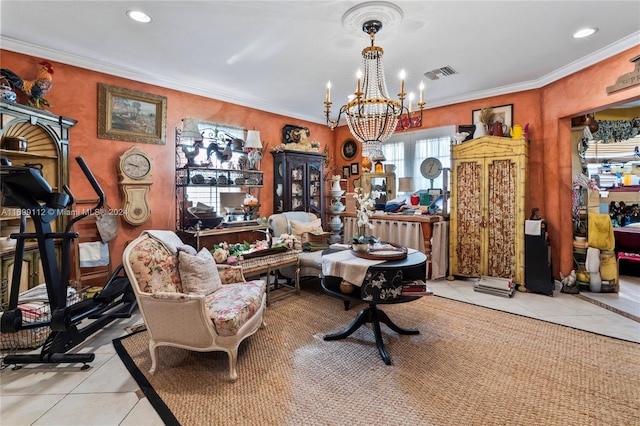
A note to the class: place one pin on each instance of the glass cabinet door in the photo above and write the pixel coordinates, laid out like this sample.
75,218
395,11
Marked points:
315,189
380,184
278,184
298,186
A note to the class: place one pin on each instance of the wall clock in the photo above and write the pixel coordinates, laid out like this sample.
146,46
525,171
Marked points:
431,168
349,149
134,172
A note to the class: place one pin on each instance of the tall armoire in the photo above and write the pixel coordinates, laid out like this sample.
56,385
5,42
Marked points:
298,182
488,208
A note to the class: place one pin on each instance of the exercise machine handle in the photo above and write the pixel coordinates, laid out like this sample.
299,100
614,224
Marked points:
96,187
92,180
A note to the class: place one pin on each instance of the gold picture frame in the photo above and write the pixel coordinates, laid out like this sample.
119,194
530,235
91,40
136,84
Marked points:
349,149
131,116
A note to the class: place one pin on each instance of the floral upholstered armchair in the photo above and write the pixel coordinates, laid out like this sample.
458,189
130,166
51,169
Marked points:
189,302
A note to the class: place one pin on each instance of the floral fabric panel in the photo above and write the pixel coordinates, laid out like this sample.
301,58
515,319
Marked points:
468,218
379,286
384,285
154,267
502,217
233,305
230,275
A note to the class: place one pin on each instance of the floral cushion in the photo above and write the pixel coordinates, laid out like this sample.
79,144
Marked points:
230,274
154,267
233,305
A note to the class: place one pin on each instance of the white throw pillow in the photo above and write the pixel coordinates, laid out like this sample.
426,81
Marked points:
298,228
198,273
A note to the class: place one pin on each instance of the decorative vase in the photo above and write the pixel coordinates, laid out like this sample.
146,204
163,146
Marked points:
366,164
336,206
481,130
347,288
362,247
279,190
335,223
336,186
460,137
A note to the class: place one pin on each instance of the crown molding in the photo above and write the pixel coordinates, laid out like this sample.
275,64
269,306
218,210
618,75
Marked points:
580,64
264,104
136,75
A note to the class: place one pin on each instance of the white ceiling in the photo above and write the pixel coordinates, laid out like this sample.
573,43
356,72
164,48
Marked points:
278,55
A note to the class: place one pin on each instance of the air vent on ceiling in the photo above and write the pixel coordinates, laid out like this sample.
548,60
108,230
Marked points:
440,72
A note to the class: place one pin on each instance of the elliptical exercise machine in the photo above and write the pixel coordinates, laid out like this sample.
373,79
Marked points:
26,189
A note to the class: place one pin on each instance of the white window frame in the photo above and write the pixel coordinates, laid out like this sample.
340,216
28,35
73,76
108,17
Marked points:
407,151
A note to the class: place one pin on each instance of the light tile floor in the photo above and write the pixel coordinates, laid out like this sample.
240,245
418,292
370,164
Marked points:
106,394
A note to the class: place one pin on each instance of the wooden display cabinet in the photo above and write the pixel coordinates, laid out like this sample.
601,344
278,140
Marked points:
383,182
297,181
47,149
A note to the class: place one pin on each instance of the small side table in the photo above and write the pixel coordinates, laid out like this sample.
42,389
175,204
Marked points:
270,264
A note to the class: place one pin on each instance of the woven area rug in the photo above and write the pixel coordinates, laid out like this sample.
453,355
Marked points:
469,365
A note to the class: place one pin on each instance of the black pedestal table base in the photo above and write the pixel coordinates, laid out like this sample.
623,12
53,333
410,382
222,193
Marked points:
374,316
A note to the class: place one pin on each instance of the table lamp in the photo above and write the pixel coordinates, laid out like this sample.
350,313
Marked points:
253,140
405,185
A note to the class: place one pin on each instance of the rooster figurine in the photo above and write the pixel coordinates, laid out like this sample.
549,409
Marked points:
36,89
191,152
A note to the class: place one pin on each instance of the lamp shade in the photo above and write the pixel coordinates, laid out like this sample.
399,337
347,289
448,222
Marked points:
406,184
253,139
190,130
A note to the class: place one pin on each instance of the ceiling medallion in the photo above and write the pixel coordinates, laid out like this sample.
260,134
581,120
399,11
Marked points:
388,14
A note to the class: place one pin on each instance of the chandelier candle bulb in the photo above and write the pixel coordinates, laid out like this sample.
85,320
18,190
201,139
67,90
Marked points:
328,92
402,76
422,93
359,77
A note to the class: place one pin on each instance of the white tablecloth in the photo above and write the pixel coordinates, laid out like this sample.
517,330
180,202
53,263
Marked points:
348,266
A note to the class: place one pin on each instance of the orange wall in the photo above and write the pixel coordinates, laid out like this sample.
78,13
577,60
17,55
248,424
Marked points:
75,95
547,110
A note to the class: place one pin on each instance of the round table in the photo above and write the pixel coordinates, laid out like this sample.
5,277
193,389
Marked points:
392,274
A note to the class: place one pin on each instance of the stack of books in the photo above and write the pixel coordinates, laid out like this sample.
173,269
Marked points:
415,288
494,285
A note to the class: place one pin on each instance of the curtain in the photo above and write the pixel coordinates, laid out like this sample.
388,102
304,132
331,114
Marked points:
407,234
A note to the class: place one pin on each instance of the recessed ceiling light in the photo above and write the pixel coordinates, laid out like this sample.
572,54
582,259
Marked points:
585,32
139,16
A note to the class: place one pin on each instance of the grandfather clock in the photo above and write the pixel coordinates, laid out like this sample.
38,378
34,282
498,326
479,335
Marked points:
134,172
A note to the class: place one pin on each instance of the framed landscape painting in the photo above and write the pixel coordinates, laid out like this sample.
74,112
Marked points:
131,116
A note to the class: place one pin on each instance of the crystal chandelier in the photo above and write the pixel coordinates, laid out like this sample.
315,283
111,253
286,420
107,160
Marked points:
372,116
